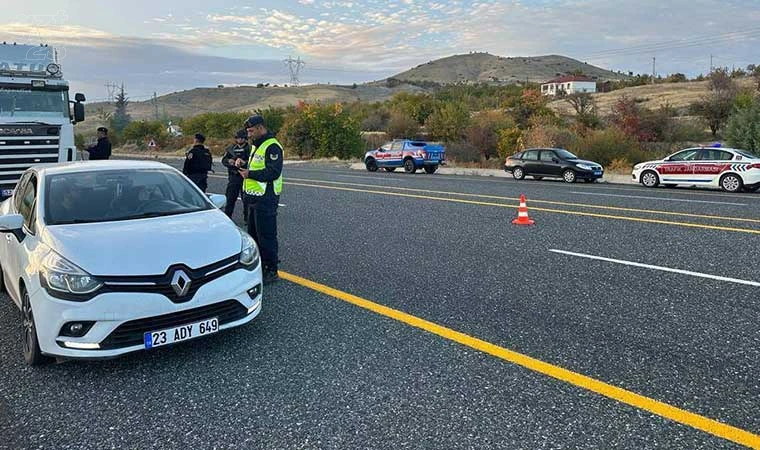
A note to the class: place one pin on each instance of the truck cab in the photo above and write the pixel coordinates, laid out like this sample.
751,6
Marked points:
37,116
407,154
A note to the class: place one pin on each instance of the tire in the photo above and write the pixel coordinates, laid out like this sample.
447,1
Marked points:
537,178
731,183
650,179
569,176
2,280
518,173
409,166
389,169
30,345
431,169
371,164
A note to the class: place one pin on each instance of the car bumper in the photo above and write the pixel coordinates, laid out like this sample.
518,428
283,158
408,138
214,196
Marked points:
228,295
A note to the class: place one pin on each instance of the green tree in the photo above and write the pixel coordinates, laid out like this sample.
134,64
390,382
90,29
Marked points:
585,109
449,122
120,118
139,131
315,130
743,129
274,118
402,125
484,132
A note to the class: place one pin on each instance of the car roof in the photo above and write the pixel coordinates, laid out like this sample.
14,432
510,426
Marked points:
97,166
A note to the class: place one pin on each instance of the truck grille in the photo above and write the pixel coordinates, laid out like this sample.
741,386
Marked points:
39,144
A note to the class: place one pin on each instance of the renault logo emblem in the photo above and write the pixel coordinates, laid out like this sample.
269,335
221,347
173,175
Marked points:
180,283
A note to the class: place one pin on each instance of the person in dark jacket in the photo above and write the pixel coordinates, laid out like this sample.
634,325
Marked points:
236,157
101,150
198,162
262,186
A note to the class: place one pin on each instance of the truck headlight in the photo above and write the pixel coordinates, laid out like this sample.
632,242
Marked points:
249,253
64,276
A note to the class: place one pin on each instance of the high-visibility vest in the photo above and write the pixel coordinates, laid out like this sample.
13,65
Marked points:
258,162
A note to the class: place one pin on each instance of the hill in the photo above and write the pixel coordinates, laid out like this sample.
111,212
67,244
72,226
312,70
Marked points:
484,67
678,95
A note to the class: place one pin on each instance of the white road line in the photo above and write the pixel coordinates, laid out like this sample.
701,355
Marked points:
659,198
664,269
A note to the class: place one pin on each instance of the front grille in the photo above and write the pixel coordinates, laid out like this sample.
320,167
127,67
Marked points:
162,284
18,153
131,333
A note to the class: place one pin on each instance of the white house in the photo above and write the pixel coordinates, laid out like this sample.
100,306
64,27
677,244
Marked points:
571,84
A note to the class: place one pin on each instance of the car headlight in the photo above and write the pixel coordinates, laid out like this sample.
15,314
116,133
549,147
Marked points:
638,166
584,166
249,253
64,276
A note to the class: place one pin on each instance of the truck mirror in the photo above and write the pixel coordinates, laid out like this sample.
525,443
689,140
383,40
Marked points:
78,112
79,97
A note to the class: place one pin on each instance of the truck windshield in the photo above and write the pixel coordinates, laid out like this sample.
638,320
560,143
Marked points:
33,103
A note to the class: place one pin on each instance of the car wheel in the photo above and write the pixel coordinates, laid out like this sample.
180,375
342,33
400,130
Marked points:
371,165
569,176
537,178
409,166
431,169
650,179
31,346
390,169
518,173
731,183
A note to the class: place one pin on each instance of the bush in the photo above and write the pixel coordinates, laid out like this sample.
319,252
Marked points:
510,141
549,136
322,131
462,152
484,130
219,125
604,146
376,120
743,129
402,125
449,122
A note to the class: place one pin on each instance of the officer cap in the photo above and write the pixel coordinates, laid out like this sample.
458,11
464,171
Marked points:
241,134
201,138
103,130
253,121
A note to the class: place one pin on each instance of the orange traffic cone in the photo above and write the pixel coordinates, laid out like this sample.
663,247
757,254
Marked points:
522,213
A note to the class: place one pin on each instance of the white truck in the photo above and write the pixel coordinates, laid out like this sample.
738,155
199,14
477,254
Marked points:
36,116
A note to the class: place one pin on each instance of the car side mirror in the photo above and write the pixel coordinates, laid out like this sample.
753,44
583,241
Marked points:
220,201
11,222
666,159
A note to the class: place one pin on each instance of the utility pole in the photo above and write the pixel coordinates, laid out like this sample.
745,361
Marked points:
111,89
654,68
294,66
711,63
154,100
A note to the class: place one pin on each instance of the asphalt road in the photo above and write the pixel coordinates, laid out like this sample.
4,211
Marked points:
315,371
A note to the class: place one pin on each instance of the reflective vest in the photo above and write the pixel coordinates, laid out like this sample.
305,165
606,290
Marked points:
258,162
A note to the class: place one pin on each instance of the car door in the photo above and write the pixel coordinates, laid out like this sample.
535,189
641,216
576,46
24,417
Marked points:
396,156
382,154
709,164
679,168
17,258
549,164
530,162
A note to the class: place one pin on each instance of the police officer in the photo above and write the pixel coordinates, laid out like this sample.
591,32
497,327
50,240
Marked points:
262,186
198,162
236,157
101,150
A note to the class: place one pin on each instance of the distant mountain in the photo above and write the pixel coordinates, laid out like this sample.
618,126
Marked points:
484,67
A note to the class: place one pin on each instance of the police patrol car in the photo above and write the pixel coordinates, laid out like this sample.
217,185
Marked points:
730,169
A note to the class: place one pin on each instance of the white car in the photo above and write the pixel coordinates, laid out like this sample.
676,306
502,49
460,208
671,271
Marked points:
727,168
106,258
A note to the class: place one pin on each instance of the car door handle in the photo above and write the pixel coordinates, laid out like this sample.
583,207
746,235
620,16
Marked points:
8,237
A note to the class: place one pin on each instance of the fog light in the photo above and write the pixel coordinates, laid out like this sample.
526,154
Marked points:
82,345
254,291
76,329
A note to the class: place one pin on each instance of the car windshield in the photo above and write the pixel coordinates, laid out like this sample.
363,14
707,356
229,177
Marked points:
113,195
564,154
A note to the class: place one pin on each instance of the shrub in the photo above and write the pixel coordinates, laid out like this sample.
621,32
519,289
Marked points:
743,130
402,125
449,122
483,133
510,141
462,152
315,130
604,146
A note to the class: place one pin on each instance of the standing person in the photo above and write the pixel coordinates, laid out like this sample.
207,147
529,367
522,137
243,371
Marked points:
236,157
262,187
198,162
101,150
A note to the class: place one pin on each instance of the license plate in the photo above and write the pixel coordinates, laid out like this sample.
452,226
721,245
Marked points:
6,192
181,333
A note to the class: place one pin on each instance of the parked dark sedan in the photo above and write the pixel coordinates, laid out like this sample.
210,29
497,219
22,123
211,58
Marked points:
552,163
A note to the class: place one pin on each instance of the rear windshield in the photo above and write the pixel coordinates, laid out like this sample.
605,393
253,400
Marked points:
113,195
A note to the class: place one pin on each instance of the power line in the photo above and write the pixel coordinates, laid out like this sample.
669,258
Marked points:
294,66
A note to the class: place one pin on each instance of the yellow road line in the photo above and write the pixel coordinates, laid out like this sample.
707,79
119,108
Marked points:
556,211
533,200
659,408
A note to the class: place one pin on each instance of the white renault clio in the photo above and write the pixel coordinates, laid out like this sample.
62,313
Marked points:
106,258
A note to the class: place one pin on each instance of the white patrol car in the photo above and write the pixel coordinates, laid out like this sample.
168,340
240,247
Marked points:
730,169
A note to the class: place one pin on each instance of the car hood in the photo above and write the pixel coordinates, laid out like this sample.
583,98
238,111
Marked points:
146,246
583,161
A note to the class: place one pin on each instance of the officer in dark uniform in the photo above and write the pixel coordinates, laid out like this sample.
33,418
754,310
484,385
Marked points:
262,186
198,162
236,158
101,150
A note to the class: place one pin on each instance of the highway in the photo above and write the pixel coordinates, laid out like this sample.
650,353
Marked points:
413,314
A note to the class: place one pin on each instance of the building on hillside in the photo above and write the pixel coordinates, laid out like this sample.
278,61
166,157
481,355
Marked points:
570,84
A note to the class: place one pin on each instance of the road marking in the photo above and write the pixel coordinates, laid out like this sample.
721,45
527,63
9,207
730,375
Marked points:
557,211
664,269
664,199
630,398
548,202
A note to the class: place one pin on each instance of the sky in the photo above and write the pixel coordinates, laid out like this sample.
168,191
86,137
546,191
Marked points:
172,45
